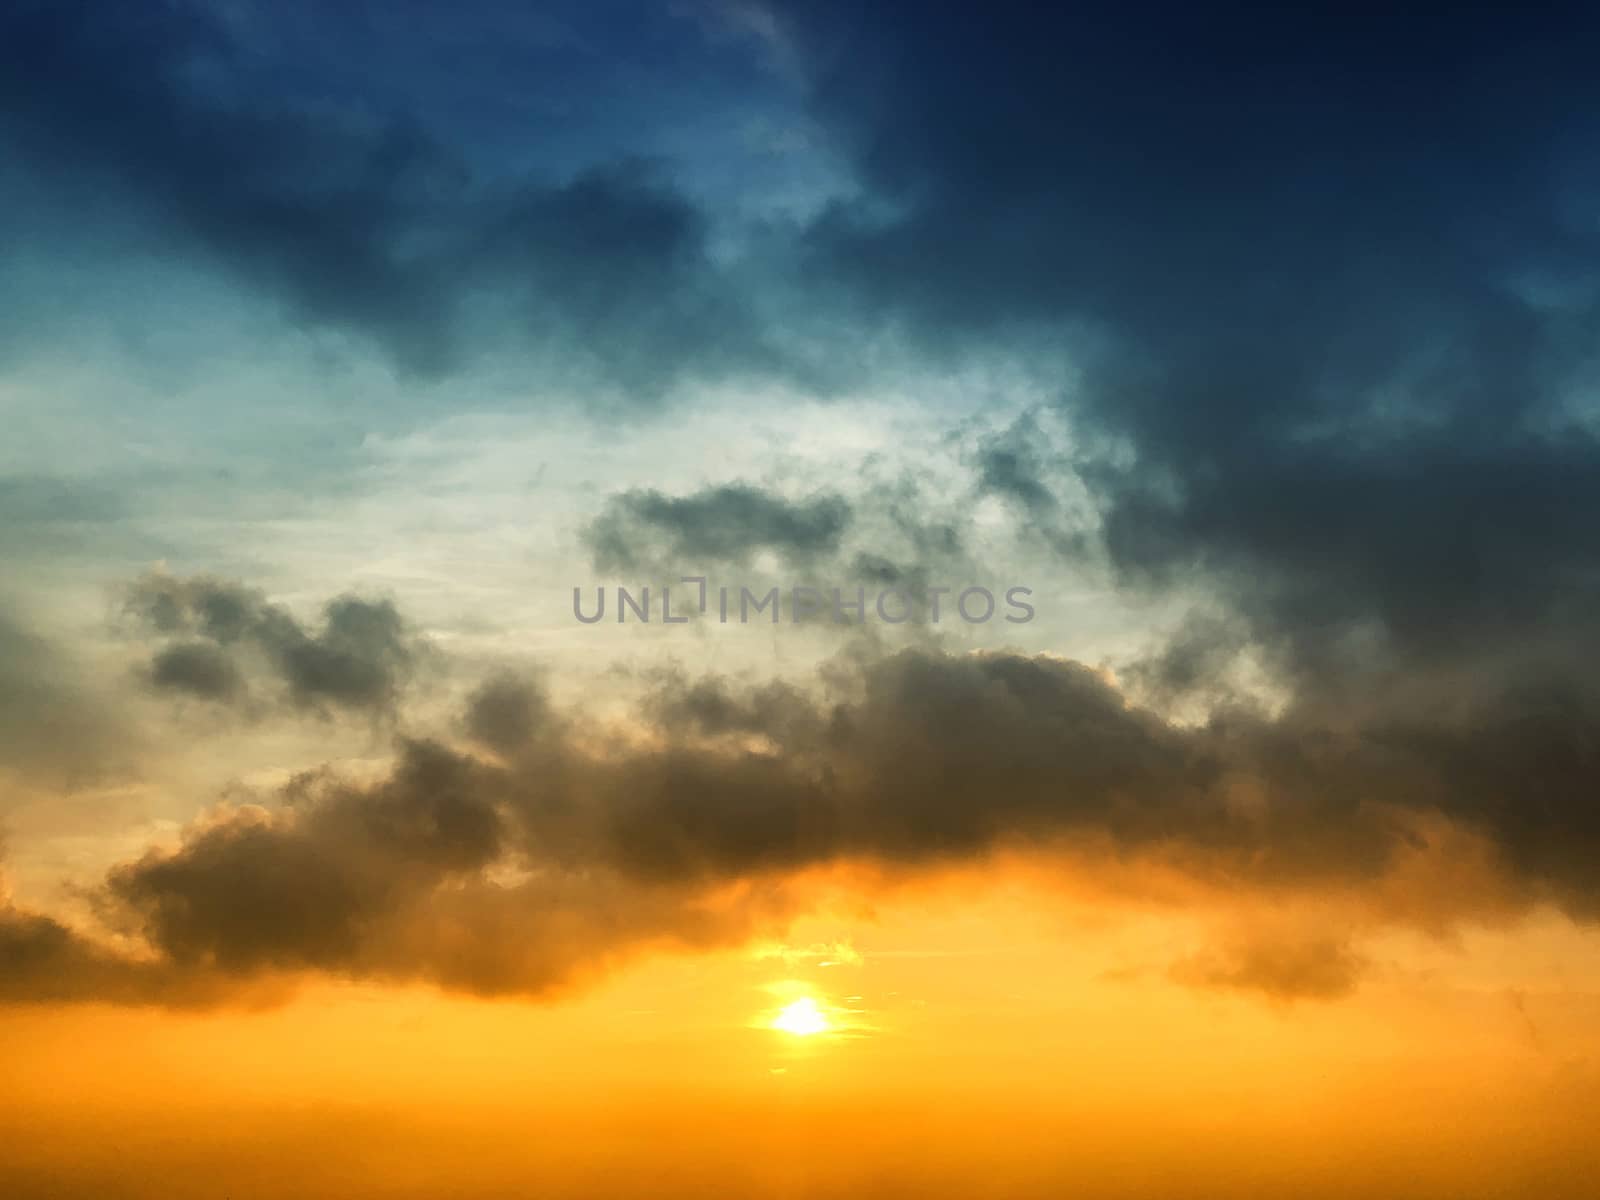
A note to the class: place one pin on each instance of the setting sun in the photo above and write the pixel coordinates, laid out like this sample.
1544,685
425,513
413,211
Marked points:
802,1018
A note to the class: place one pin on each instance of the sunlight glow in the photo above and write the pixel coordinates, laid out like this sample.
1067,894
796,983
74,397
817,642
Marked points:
802,1018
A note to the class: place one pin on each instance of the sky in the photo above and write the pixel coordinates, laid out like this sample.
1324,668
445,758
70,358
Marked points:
798,599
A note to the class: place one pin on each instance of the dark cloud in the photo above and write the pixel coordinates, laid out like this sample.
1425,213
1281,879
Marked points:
508,714
614,266
182,131
359,660
906,534
199,668
519,874
46,961
1326,280
725,524
413,878
713,707
301,889
97,95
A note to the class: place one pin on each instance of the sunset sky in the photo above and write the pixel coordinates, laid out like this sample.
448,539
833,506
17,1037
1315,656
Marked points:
1170,766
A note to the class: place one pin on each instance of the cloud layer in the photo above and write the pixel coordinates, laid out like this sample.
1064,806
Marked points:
559,848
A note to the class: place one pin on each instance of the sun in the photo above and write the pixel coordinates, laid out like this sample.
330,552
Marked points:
802,1018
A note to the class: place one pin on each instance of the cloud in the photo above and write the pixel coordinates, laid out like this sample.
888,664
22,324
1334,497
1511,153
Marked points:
1015,465
571,849
303,888
713,707
181,130
613,266
724,524
305,209
908,533
508,714
1287,257
45,961
404,880
198,668
359,660
1317,968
